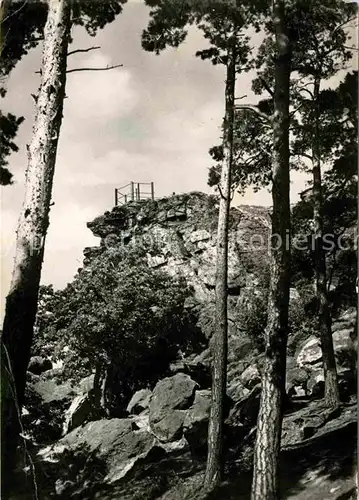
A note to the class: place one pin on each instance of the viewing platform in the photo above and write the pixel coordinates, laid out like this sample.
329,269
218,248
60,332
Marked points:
134,191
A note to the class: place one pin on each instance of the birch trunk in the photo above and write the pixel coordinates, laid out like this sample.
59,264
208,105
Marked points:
267,446
332,398
21,302
219,347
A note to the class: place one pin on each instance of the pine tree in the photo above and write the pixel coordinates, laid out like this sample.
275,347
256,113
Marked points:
21,302
321,57
222,24
269,425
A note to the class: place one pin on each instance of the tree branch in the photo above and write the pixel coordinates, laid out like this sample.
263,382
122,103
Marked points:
106,68
77,51
266,86
95,69
255,109
296,110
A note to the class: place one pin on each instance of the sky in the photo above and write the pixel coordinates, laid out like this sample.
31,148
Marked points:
154,119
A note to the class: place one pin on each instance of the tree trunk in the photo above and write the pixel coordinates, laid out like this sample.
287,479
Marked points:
332,398
219,346
21,302
269,425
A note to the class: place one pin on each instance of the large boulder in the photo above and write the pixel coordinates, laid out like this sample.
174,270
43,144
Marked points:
38,365
170,397
114,442
250,377
81,410
139,402
195,426
310,353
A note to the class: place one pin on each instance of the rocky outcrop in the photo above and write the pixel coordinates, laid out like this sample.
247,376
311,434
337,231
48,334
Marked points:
180,234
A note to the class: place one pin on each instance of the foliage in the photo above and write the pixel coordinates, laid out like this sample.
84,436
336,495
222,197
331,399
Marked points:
251,153
117,312
9,125
320,45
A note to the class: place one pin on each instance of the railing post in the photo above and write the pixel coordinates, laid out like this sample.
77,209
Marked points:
116,197
132,191
138,191
152,191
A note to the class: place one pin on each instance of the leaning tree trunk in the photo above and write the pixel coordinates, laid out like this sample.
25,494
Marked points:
219,346
332,398
21,302
269,425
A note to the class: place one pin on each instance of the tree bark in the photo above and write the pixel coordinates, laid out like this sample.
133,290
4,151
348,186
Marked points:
21,302
214,468
332,398
265,483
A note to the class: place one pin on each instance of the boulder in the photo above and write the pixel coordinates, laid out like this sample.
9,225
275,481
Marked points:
310,353
139,402
195,426
80,411
38,365
86,384
296,381
315,385
245,411
250,377
170,396
113,441
50,391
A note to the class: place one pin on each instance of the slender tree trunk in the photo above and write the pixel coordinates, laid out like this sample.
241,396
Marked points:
219,347
21,302
269,425
332,398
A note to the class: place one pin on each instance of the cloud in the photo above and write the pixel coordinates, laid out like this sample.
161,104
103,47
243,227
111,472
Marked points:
95,96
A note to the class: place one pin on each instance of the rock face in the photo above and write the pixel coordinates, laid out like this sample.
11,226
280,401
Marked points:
170,398
180,233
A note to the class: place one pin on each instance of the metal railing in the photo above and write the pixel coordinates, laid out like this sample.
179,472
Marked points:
134,191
